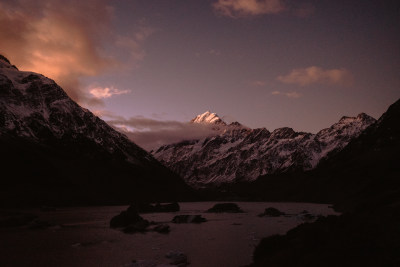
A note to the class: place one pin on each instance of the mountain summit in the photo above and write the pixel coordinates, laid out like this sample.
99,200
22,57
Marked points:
209,118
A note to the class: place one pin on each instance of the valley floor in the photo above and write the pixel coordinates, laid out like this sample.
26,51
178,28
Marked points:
82,237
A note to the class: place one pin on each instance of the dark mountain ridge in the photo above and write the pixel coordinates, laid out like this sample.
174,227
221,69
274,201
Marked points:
363,181
55,152
363,169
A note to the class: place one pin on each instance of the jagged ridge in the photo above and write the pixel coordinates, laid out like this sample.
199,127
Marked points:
243,154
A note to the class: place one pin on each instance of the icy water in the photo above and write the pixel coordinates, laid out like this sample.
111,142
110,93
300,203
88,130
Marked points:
82,237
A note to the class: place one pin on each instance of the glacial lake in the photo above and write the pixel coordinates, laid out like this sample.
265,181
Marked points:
82,237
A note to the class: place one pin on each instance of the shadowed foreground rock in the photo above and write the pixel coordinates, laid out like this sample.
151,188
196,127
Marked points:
162,228
363,181
140,226
356,239
177,258
126,218
225,207
271,212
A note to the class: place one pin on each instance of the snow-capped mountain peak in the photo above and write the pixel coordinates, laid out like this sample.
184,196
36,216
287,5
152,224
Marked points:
208,118
241,154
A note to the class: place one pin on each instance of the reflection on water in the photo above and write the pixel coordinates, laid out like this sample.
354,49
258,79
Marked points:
82,237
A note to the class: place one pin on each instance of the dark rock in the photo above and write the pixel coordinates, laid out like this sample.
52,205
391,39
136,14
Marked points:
272,212
140,226
125,218
188,219
5,59
308,217
361,238
225,207
177,258
162,228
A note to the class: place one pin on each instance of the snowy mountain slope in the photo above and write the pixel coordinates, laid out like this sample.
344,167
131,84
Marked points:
35,107
243,154
45,135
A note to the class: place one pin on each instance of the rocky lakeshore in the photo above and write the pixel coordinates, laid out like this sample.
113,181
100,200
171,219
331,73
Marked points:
83,237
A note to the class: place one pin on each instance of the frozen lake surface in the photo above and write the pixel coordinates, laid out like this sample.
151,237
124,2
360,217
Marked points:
82,237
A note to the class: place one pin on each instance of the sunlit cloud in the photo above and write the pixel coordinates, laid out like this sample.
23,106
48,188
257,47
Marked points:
287,94
312,75
244,8
64,41
107,92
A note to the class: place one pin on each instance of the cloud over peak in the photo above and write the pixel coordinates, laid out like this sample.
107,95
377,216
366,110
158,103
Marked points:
244,8
150,133
316,75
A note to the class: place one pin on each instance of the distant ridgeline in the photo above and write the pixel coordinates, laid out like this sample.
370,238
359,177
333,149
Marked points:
238,154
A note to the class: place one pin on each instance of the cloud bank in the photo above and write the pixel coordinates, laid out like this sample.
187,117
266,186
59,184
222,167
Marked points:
151,134
245,8
64,41
317,75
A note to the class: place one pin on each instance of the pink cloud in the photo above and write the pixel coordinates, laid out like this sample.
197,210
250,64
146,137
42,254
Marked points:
107,92
244,8
312,75
275,93
65,40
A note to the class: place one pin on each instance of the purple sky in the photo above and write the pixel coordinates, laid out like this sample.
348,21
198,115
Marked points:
264,63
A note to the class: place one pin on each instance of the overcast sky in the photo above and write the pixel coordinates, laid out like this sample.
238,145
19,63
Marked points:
264,63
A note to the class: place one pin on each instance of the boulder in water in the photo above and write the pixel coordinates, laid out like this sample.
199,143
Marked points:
225,207
271,212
